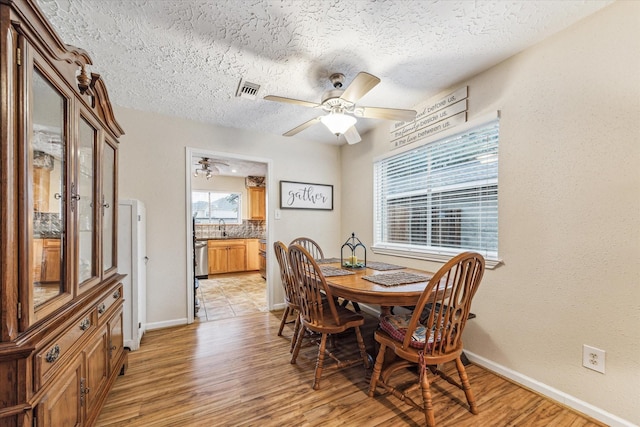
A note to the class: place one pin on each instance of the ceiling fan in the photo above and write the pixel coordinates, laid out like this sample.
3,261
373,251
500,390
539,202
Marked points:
208,167
340,104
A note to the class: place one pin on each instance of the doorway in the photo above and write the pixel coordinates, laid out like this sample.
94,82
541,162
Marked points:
224,213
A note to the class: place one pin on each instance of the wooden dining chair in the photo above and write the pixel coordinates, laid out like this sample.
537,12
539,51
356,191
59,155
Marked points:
432,341
316,252
321,315
310,245
290,296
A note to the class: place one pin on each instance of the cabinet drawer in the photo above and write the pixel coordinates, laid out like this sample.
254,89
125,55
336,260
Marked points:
51,357
108,301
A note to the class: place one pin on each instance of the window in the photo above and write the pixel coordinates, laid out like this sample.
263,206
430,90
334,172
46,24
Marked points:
212,206
439,198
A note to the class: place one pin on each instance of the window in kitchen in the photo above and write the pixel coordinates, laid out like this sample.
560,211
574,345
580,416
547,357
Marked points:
441,198
212,207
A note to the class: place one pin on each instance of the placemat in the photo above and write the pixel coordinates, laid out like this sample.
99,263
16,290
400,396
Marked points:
383,266
327,260
395,279
329,271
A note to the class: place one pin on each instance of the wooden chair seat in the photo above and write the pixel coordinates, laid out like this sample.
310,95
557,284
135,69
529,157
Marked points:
396,327
347,320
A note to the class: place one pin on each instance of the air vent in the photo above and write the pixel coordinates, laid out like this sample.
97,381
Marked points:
248,90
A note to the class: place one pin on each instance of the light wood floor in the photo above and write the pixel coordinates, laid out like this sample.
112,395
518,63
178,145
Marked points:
236,372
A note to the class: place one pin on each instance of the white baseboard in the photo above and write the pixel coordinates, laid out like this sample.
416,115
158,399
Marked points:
166,324
550,392
280,306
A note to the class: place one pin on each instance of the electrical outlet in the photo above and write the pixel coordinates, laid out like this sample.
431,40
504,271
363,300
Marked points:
593,358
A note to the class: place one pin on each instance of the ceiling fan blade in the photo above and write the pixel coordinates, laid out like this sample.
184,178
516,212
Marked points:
302,127
292,101
359,87
352,136
385,113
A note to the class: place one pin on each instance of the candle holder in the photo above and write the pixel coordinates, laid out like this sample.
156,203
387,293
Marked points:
352,260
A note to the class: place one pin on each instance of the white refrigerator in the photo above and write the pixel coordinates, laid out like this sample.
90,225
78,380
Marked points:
132,261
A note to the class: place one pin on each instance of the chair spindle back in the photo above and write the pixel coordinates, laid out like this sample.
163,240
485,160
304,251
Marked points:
310,282
310,245
449,307
286,275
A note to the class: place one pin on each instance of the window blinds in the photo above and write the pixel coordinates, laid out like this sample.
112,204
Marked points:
441,197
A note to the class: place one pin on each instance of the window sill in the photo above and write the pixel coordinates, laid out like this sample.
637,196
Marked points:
490,263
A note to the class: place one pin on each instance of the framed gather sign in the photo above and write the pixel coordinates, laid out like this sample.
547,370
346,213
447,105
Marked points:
304,195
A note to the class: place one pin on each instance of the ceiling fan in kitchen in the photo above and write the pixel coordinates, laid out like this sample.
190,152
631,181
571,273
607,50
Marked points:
208,168
341,108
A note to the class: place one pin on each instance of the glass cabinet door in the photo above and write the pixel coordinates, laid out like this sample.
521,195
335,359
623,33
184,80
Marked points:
48,148
108,207
86,260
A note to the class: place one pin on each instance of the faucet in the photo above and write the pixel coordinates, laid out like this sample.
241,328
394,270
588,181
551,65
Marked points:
222,226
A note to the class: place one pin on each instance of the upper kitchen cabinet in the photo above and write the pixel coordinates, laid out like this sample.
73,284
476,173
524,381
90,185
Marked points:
61,294
257,203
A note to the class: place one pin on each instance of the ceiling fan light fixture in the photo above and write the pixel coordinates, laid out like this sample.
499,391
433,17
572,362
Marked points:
338,123
208,167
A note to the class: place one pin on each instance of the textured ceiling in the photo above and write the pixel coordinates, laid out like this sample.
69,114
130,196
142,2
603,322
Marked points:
186,58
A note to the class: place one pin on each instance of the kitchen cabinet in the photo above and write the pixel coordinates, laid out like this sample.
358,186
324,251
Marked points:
253,254
227,256
38,244
50,270
61,307
257,210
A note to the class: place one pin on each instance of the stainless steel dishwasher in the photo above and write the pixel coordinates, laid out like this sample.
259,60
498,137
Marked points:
202,259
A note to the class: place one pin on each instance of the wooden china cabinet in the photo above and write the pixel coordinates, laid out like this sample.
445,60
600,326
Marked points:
61,341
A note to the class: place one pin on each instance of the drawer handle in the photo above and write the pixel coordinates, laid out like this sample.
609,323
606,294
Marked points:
53,354
116,294
84,325
102,308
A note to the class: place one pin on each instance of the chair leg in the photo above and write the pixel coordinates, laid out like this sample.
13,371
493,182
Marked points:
462,372
296,349
377,368
363,349
320,362
296,329
426,397
283,321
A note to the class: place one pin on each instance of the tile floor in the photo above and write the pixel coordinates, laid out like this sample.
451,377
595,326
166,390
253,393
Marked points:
231,295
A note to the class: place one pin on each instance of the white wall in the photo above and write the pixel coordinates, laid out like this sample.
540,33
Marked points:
152,169
569,205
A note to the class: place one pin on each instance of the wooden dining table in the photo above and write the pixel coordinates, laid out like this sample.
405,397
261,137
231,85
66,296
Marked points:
354,287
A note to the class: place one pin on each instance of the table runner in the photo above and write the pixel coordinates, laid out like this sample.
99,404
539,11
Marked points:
396,279
329,271
383,266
